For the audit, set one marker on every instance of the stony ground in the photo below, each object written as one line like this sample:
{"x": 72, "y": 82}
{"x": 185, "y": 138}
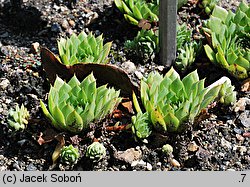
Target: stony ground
{"x": 220, "y": 142}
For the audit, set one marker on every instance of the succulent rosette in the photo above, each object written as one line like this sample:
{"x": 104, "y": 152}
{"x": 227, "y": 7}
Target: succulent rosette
{"x": 96, "y": 151}
{"x": 229, "y": 36}
{"x": 18, "y": 117}
{"x": 83, "y": 48}
{"x": 136, "y": 10}
{"x": 73, "y": 105}
{"x": 171, "y": 102}
{"x": 69, "y": 154}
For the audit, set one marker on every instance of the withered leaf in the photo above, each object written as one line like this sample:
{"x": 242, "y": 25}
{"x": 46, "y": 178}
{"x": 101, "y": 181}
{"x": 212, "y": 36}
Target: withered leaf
{"x": 104, "y": 73}
{"x": 59, "y": 146}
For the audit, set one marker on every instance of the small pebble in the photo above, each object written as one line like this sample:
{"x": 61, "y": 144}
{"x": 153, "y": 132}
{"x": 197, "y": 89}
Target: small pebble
{"x": 246, "y": 134}
{"x": 134, "y": 163}
{"x": 240, "y": 138}
{"x": 35, "y": 47}
{"x": 72, "y": 23}
{"x": 56, "y": 28}
{"x": 129, "y": 66}
{"x": 65, "y": 24}
{"x": 149, "y": 167}
{"x": 192, "y": 147}
{"x": 138, "y": 74}
{"x": 4, "y": 83}
{"x": 175, "y": 163}
{"x": 141, "y": 163}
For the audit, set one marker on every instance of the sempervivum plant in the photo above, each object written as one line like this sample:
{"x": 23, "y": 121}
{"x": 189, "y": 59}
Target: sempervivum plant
{"x": 208, "y": 5}
{"x": 230, "y": 46}
{"x": 171, "y": 103}
{"x": 141, "y": 125}
{"x": 145, "y": 45}
{"x": 136, "y": 10}
{"x": 73, "y": 105}
{"x": 83, "y": 48}
{"x": 96, "y": 151}
{"x": 186, "y": 47}
{"x": 69, "y": 154}
{"x": 18, "y": 118}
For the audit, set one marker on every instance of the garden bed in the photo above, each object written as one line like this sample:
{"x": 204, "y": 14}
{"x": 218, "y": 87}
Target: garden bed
{"x": 220, "y": 141}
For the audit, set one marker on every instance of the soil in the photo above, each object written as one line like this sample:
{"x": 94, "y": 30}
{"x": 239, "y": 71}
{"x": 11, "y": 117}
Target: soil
{"x": 221, "y": 141}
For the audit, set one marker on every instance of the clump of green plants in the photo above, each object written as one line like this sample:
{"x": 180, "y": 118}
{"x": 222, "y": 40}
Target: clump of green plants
{"x": 167, "y": 149}
{"x": 141, "y": 127}
{"x": 69, "y": 154}
{"x": 18, "y": 117}
{"x": 73, "y": 105}
{"x": 230, "y": 47}
{"x": 171, "y": 102}
{"x": 136, "y": 10}
{"x": 208, "y": 5}
{"x": 83, "y": 48}
{"x": 145, "y": 45}
{"x": 96, "y": 151}
{"x": 187, "y": 49}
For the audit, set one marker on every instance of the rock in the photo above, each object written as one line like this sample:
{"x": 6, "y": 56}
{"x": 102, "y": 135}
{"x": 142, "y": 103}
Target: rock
{"x": 149, "y": 166}
{"x": 31, "y": 167}
{"x": 237, "y": 130}
{"x": 35, "y": 47}
{"x": 239, "y": 137}
{"x": 129, "y": 66}
{"x": 134, "y": 163}
{"x": 244, "y": 118}
{"x": 129, "y": 155}
{"x": 225, "y": 143}
{"x": 158, "y": 164}
{"x": 175, "y": 163}
{"x": 72, "y": 23}
{"x": 246, "y": 134}
{"x": 202, "y": 153}
{"x": 4, "y": 83}
{"x": 55, "y": 27}
{"x": 4, "y": 35}
{"x": 138, "y": 74}
{"x": 142, "y": 163}
{"x": 65, "y": 24}
{"x": 240, "y": 105}
{"x": 192, "y": 147}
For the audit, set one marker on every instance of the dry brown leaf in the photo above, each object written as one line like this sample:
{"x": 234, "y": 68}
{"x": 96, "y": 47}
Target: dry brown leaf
{"x": 104, "y": 73}
{"x": 59, "y": 146}
{"x": 47, "y": 136}
{"x": 128, "y": 105}
{"x": 245, "y": 87}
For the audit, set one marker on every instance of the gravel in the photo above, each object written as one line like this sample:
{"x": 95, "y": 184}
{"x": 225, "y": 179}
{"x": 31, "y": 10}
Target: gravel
{"x": 220, "y": 142}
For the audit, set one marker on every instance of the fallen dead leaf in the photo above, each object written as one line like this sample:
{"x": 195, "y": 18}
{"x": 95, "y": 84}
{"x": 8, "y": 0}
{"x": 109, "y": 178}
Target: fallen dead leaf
{"x": 245, "y": 87}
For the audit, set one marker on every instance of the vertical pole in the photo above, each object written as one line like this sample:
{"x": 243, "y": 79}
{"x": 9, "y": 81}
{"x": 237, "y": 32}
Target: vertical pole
{"x": 167, "y": 32}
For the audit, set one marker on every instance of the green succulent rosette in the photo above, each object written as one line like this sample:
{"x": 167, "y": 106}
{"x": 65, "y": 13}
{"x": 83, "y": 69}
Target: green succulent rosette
{"x": 69, "y": 154}
{"x": 18, "y": 117}
{"x": 83, "y": 48}
{"x": 230, "y": 40}
{"x": 145, "y": 45}
{"x": 172, "y": 102}
{"x": 208, "y": 5}
{"x": 96, "y": 151}
{"x": 136, "y": 10}
{"x": 73, "y": 105}
{"x": 187, "y": 48}
{"x": 141, "y": 126}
